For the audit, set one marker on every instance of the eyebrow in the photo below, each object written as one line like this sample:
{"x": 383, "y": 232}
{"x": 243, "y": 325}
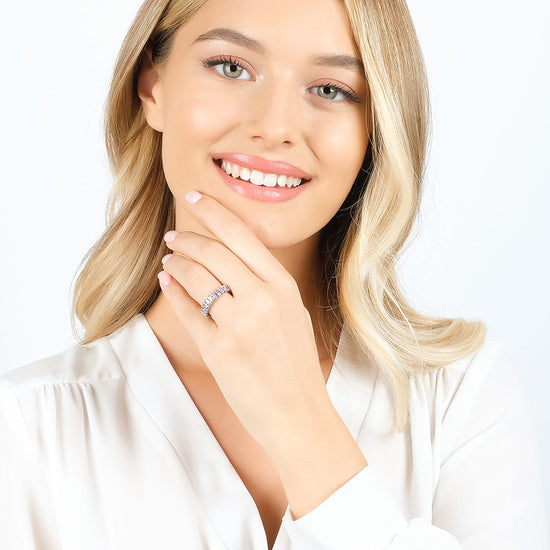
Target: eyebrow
{"x": 230, "y": 35}
{"x": 345, "y": 61}
{"x": 235, "y": 37}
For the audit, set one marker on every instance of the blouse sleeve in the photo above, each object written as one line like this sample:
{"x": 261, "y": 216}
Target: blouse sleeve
{"x": 27, "y": 521}
{"x": 489, "y": 491}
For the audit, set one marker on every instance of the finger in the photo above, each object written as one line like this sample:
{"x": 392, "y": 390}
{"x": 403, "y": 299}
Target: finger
{"x": 224, "y": 265}
{"x": 198, "y": 283}
{"x": 235, "y": 234}
{"x": 201, "y": 330}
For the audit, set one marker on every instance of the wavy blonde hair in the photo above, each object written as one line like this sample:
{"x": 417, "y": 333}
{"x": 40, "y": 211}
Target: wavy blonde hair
{"x": 359, "y": 247}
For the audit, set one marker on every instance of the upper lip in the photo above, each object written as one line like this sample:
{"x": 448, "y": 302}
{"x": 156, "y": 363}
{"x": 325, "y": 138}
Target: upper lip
{"x": 254, "y": 162}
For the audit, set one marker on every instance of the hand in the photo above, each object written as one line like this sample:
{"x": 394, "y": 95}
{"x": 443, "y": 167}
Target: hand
{"x": 260, "y": 348}
{"x": 259, "y": 344}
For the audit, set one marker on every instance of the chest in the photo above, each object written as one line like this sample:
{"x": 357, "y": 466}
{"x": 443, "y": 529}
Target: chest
{"x": 247, "y": 457}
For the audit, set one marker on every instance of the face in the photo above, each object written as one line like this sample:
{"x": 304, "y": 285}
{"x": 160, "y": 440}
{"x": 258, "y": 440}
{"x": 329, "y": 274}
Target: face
{"x": 272, "y": 92}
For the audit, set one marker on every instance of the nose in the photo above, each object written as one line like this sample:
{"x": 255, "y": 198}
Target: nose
{"x": 272, "y": 114}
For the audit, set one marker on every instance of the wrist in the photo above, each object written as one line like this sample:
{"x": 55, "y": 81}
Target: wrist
{"x": 315, "y": 458}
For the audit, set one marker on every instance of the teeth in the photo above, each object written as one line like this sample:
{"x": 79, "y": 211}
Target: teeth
{"x": 293, "y": 182}
{"x": 281, "y": 181}
{"x": 245, "y": 174}
{"x": 259, "y": 178}
{"x": 270, "y": 180}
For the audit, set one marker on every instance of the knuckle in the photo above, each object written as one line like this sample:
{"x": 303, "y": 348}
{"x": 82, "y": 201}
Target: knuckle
{"x": 194, "y": 273}
{"x": 265, "y": 302}
{"x": 289, "y": 285}
{"x": 236, "y": 229}
{"x": 226, "y": 343}
{"x": 211, "y": 249}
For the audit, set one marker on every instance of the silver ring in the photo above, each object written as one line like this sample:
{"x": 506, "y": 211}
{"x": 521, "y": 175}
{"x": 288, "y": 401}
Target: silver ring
{"x": 212, "y": 297}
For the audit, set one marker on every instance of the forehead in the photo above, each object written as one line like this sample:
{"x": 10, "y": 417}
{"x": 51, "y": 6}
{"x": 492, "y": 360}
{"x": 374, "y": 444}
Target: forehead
{"x": 298, "y": 26}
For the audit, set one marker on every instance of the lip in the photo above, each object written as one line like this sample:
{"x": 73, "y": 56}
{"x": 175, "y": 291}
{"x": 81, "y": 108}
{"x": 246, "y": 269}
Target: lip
{"x": 259, "y": 193}
{"x": 253, "y": 162}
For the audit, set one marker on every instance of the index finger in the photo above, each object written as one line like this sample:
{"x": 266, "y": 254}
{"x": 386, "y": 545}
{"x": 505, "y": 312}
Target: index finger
{"x": 236, "y": 235}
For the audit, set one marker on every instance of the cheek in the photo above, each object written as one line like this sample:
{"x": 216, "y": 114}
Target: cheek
{"x": 343, "y": 147}
{"x": 340, "y": 144}
{"x": 193, "y": 121}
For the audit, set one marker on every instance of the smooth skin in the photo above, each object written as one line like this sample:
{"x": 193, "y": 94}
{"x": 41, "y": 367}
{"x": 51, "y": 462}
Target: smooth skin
{"x": 259, "y": 350}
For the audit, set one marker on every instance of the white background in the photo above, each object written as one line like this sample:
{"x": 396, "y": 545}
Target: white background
{"x": 481, "y": 251}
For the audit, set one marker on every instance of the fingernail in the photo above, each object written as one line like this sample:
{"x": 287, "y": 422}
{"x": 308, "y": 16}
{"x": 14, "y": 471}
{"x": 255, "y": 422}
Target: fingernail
{"x": 192, "y": 197}
{"x": 170, "y": 236}
{"x": 166, "y": 258}
{"x": 164, "y": 278}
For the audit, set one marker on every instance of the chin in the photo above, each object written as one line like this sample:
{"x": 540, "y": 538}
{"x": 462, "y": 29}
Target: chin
{"x": 274, "y": 237}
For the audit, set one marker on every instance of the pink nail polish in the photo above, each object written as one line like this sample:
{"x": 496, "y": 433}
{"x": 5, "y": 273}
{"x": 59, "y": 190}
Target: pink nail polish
{"x": 166, "y": 258}
{"x": 170, "y": 236}
{"x": 164, "y": 278}
{"x": 192, "y": 197}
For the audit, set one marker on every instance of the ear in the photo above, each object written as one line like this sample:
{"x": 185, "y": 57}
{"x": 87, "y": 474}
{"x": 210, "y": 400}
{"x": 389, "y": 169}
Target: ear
{"x": 149, "y": 88}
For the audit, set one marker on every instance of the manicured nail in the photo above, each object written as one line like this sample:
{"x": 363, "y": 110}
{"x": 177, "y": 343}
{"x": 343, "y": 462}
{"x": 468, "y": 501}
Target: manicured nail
{"x": 164, "y": 278}
{"x": 192, "y": 197}
{"x": 170, "y": 236}
{"x": 166, "y": 258}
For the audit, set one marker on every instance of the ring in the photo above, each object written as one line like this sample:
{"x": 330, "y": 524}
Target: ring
{"x": 207, "y": 304}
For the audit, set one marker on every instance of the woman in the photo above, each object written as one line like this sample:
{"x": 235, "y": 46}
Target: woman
{"x": 272, "y": 387}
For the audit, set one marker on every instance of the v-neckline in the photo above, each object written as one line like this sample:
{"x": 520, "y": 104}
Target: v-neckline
{"x": 218, "y": 486}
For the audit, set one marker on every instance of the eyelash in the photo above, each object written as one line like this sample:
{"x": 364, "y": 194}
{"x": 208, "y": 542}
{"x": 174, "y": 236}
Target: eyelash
{"x": 209, "y": 63}
{"x": 348, "y": 94}
{"x": 213, "y": 62}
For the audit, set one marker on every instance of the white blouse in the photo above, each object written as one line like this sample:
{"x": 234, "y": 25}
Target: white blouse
{"x": 101, "y": 447}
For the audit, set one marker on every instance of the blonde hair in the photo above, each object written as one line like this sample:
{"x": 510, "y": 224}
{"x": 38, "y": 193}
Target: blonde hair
{"x": 359, "y": 247}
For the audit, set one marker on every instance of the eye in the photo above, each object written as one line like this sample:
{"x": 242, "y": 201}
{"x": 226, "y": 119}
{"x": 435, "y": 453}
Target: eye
{"x": 328, "y": 92}
{"x": 335, "y": 93}
{"x": 231, "y": 70}
{"x": 228, "y": 67}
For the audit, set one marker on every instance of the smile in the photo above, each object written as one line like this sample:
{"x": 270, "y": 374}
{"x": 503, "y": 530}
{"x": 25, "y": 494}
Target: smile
{"x": 258, "y": 178}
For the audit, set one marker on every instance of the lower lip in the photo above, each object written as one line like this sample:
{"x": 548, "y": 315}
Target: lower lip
{"x": 260, "y": 193}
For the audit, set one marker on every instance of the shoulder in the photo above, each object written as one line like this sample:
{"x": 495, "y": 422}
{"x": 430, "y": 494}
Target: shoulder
{"x": 480, "y": 392}
{"x": 488, "y": 368}
{"x": 64, "y": 389}
{"x": 52, "y": 402}
{"x": 81, "y": 364}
